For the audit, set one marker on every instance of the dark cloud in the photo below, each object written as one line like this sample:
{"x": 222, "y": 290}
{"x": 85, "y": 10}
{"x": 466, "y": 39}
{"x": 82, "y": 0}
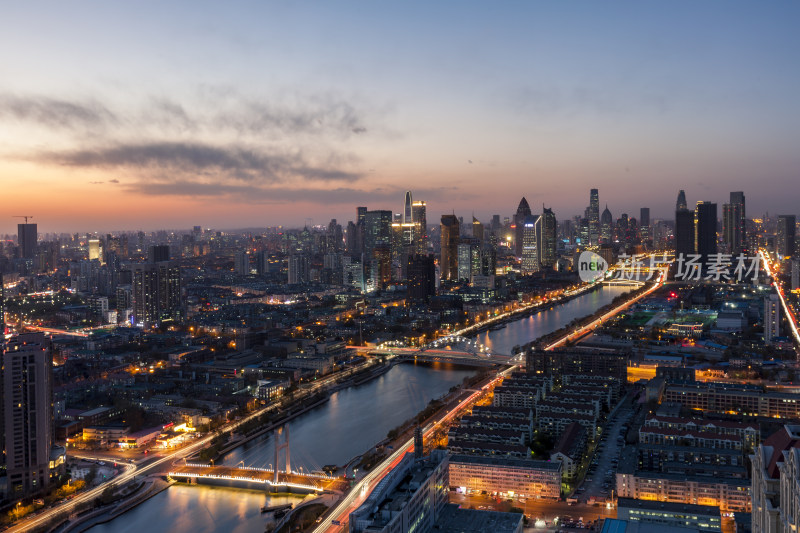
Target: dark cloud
{"x": 113, "y": 181}
{"x": 228, "y": 112}
{"x": 202, "y": 161}
{"x": 52, "y": 112}
{"x": 97, "y": 182}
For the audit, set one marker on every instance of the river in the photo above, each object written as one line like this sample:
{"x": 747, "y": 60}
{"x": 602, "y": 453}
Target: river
{"x": 349, "y": 424}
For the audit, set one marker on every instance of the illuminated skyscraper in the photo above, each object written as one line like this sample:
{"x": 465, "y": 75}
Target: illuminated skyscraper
{"x": 772, "y": 318}
{"x": 594, "y": 217}
{"x": 546, "y": 242}
{"x": 733, "y": 223}
{"x": 377, "y": 231}
{"x": 408, "y": 211}
{"x": 94, "y": 248}
{"x": 523, "y": 212}
{"x": 419, "y": 215}
{"x": 155, "y": 291}
{"x": 477, "y": 229}
{"x": 644, "y": 224}
{"x": 448, "y": 262}
{"x": 530, "y": 248}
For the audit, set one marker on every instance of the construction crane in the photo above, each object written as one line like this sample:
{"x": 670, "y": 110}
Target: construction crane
{"x": 26, "y": 217}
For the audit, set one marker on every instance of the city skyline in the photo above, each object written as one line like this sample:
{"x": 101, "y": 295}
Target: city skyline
{"x": 148, "y": 117}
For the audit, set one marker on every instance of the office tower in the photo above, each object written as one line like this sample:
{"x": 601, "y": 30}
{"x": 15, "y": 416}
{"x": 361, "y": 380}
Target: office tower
{"x": 705, "y": 230}
{"x": 381, "y": 266}
{"x": 546, "y": 239}
{"x": 621, "y": 229}
{"x": 351, "y": 239}
{"x": 241, "y": 263}
{"x": 27, "y": 236}
{"x": 795, "y": 275}
{"x": 377, "y": 230}
{"x": 523, "y": 212}
{"x": 594, "y": 217}
{"x": 420, "y": 218}
{"x": 2, "y": 311}
{"x": 421, "y": 277}
{"x": 738, "y": 222}
{"x": 684, "y": 233}
{"x": 353, "y": 272}
{"x": 408, "y": 208}
{"x": 606, "y": 227}
{"x": 27, "y": 416}
{"x": 644, "y": 223}
{"x": 772, "y": 318}
{"x": 158, "y": 253}
{"x": 469, "y": 258}
{"x": 784, "y": 242}
{"x": 681, "y": 202}
{"x": 155, "y": 291}
{"x": 94, "y": 249}
{"x": 477, "y": 229}
{"x": 448, "y": 262}
{"x": 530, "y": 250}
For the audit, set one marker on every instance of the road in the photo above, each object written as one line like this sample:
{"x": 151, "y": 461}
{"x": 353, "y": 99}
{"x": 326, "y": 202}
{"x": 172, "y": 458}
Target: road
{"x": 360, "y": 491}
{"x": 609, "y": 449}
{"x": 592, "y": 325}
{"x": 779, "y": 289}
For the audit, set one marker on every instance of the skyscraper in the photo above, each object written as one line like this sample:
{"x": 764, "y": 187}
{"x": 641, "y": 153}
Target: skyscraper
{"x": 523, "y": 212}
{"x": 408, "y": 211}
{"x": 377, "y": 230}
{"x": 27, "y": 237}
{"x": 740, "y": 234}
{"x": 594, "y": 217}
{"x": 705, "y": 230}
{"x": 530, "y": 250}
{"x": 606, "y": 226}
{"x": 644, "y": 223}
{"x": 546, "y": 242}
{"x": 27, "y": 416}
{"x": 684, "y": 232}
{"x": 155, "y": 291}
{"x": 448, "y": 262}
{"x": 421, "y": 277}
{"x": 681, "y": 202}
{"x": 418, "y": 213}
{"x": 477, "y": 229}
{"x": 784, "y": 243}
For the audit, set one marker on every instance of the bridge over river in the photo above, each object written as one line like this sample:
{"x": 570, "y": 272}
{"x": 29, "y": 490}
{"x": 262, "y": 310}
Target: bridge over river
{"x": 254, "y": 477}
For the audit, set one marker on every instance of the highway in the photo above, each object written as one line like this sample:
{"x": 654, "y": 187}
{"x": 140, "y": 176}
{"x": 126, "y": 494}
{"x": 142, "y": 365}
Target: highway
{"x": 789, "y": 315}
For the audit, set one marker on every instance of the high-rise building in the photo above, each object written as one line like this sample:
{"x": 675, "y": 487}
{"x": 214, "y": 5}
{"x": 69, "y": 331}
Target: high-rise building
{"x": 784, "y": 242}
{"x": 450, "y": 236}
{"x": 606, "y": 227}
{"x": 27, "y": 237}
{"x": 155, "y": 291}
{"x": 158, "y": 253}
{"x": 94, "y": 248}
{"x": 795, "y": 276}
{"x": 421, "y": 277}
{"x": 530, "y": 249}
{"x": 738, "y": 222}
{"x": 684, "y": 232}
{"x": 477, "y": 229}
{"x": 419, "y": 215}
{"x": 299, "y": 269}
{"x": 469, "y": 258}
{"x": 546, "y": 241}
{"x": 705, "y": 230}
{"x": 377, "y": 230}
{"x": 594, "y": 217}
{"x": 644, "y": 224}
{"x": 27, "y": 416}
{"x": 681, "y": 202}
{"x": 772, "y": 318}
{"x": 241, "y": 263}
{"x": 523, "y": 212}
{"x": 408, "y": 209}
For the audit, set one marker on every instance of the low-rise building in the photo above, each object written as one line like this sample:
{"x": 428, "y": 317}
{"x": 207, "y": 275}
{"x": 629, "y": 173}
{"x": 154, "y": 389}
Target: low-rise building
{"x": 697, "y": 517}
{"x": 505, "y": 476}
{"x": 776, "y": 482}
{"x": 569, "y": 450}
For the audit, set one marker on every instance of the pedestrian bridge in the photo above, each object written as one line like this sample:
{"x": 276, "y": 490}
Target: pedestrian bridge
{"x": 255, "y": 477}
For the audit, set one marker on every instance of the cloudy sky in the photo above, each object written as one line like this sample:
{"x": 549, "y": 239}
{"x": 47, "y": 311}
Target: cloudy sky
{"x": 143, "y": 115}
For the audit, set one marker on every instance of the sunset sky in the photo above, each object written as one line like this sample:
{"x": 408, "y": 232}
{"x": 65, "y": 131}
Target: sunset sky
{"x": 146, "y": 115}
